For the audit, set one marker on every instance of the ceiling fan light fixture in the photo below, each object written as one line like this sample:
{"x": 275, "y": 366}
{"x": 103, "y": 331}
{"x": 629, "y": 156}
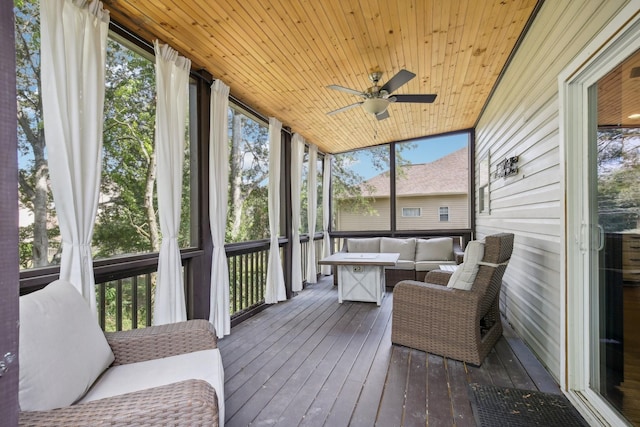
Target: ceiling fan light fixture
{"x": 375, "y": 105}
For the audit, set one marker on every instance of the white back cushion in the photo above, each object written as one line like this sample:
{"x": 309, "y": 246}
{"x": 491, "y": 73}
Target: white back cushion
{"x": 436, "y": 249}
{"x": 62, "y": 348}
{"x": 466, "y": 272}
{"x": 364, "y": 245}
{"x": 405, "y": 247}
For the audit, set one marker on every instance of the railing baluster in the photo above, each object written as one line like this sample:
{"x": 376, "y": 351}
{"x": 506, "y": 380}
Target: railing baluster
{"x": 235, "y": 284}
{"x": 255, "y": 279}
{"x": 103, "y": 304}
{"x": 244, "y": 300}
{"x": 119, "y": 305}
{"x": 148, "y": 290}
{"x": 134, "y": 302}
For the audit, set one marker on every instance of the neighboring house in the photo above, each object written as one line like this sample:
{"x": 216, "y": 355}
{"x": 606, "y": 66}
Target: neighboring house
{"x": 429, "y": 196}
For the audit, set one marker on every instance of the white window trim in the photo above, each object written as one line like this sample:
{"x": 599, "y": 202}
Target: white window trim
{"x": 412, "y": 216}
{"x": 484, "y": 178}
{"x": 440, "y": 214}
{"x": 610, "y": 47}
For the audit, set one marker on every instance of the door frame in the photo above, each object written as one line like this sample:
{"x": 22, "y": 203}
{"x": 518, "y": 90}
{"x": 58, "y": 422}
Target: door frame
{"x": 611, "y": 46}
{"x": 9, "y": 262}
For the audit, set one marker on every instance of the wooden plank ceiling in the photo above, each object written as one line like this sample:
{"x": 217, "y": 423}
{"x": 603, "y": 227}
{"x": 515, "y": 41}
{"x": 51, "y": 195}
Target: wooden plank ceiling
{"x": 619, "y": 95}
{"x": 278, "y": 56}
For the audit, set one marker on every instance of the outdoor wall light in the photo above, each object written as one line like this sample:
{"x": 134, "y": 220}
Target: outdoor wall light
{"x": 507, "y": 167}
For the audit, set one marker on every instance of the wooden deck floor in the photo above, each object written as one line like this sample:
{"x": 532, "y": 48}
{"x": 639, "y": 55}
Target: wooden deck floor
{"x": 311, "y": 361}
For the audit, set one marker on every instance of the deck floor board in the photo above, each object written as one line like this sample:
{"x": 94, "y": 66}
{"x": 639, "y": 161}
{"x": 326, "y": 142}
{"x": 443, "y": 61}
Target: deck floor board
{"x": 311, "y": 361}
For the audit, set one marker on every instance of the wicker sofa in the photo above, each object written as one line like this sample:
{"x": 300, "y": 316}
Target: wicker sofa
{"x": 71, "y": 373}
{"x": 455, "y": 315}
{"x": 417, "y": 255}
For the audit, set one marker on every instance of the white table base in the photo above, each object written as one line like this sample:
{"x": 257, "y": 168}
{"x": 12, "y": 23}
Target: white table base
{"x": 361, "y": 283}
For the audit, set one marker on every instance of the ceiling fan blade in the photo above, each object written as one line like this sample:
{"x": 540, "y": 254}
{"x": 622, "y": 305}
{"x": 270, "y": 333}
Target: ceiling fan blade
{"x": 383, "y": 115}
{"x": 340, "y": 110}
{"x": 424, "y": 98}
{"x": 345, "y": 89}
{"x": 402, "y": 77}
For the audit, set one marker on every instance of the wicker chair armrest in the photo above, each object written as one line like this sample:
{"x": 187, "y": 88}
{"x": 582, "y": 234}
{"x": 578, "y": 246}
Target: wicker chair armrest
{"x": 438, "y": 277}
{"x": 185, "y": 403}
{"x": 138, "y": 345}
{"x": 436, "y": 300}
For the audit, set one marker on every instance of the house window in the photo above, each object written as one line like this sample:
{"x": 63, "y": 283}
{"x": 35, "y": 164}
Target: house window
{"x": 483, "y": 186}
{"x": 443, "y": 212}
{"x": 411, "y": 212}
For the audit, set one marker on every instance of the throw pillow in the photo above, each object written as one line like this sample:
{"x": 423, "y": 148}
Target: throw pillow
{"x": 62, "y": 348}
{"x": 465, "y": 274}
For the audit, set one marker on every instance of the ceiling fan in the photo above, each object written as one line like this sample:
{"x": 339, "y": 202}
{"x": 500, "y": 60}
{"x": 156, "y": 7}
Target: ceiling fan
{"x": 377, "y": 98}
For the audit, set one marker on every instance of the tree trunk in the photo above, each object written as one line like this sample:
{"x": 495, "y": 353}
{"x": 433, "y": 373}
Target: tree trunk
{"x": 40, "y": 203}
{"x": 154, "y": 237}
{"x": 235, "y": 180}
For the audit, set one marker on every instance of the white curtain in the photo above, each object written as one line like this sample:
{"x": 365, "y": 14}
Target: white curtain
{"x": 312, "y": 208}
{"x": 275, "y": 277}
{"x": 297, "y": 158}
{"x": 326, "y": 215}
{"x": 172, "y": 79}
{"x": 73, "y": 51}
{"x": 218, "y": 199}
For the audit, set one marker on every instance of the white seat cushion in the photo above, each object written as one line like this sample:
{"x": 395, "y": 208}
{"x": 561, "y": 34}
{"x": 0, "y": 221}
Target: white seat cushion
{"x": 62, "y": 348}
{"x": 465, "y": 274}
{"x": 431, "y": 265}
{"x": 435, "y": 249}
{"x": 200, "y": 365}
{"x": 403, "y": 264}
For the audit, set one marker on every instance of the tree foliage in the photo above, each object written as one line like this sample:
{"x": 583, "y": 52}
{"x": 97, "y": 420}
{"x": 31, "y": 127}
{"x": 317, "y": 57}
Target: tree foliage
{"x": 248, "y": 217}
{"x": 127, "y": 212}
{"x": 126, "y": 217}
{"x": 349, "y": 188}
{"x": 33, "y": 173}
{"x": 618, "y": 179}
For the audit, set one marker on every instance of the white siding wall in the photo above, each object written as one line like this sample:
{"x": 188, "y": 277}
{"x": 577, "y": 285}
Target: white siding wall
{"x": 430, "y": 219}
{"x": 522, "y": 118}
{"x": 357, "y": 221}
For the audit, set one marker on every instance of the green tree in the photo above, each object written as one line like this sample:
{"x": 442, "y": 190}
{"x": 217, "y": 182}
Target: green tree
{"x": 33, "y": 174}
{"x": 247, "y": 218}
{"x": 127, "y": 215}
{"x": 350, "y": 188}
{"x": 618, "y": 178}
{"x": 127, "y": 220}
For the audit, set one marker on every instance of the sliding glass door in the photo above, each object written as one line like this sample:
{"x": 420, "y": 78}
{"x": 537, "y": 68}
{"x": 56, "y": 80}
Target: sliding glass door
{"x": 614, "y": 230}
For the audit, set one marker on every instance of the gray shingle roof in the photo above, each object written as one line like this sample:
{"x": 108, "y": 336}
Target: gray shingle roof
{"x": 447, "y": 175}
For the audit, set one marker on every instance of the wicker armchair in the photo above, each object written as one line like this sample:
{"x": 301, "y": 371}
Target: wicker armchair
{"x": 186, "y": 403}
{"x": 459, "y": 324}
{"x": 161, "y": 375}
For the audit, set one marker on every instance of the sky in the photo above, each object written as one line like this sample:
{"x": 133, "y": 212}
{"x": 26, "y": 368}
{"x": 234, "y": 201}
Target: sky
{"x": 427, "y": 150}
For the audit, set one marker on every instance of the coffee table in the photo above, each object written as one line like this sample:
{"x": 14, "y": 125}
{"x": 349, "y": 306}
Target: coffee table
{"x": 361, "y": 275}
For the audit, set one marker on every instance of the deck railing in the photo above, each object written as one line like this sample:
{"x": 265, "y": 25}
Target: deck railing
{"x": 247, "y": 277}
{"x": 125, "y": 298}
{"x": 126, "y": 303}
